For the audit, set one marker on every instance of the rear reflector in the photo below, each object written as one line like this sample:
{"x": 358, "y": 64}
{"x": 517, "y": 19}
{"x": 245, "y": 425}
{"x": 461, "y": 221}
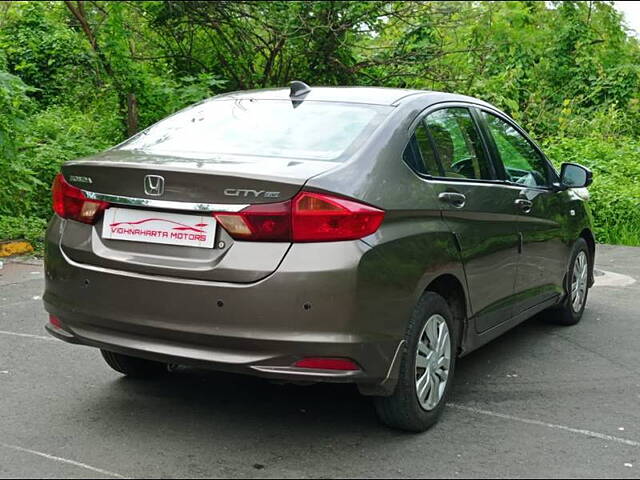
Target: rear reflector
{"x": 55, "y": 321}
{"x": 309, "y": 217}
{"x": 327, "y": 364}
{"x": 70, "y": 202}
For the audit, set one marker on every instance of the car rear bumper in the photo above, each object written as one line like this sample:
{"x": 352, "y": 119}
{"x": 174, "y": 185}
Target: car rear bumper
{"x": 306, "y": 308}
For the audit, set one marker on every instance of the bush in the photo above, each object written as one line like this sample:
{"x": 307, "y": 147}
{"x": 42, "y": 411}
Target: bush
{"x": 615, "y": 193}
{"x": 24, "y": 228}
{"x": 50, "y": 138}
{"x": 565, "y": 70}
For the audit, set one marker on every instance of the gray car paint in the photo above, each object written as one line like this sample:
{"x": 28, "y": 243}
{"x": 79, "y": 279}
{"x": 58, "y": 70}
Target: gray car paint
{"x": 256, "y": 307}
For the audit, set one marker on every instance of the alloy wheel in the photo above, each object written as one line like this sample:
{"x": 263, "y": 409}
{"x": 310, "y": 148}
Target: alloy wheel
{"x": 433, "y": 360}
{"x": 579, "y": 281}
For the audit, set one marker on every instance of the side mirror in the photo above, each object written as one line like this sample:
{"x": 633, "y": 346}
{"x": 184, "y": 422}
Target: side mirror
{"x": 573, "y": 175}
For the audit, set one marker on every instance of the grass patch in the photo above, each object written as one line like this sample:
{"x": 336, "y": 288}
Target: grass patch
{"x": 31, "y": 229}
{"x": 620, "y": 234}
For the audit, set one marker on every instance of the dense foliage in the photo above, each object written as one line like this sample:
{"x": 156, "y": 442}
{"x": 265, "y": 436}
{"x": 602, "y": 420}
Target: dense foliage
{"x": 79, "y": 76}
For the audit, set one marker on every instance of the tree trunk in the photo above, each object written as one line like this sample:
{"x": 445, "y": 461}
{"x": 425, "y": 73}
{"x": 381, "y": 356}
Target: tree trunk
{"x": 130, "y": 102}
{"x": 132, "y": 114}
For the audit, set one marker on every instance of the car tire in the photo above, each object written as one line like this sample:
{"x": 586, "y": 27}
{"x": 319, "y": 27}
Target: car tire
{"x": 132, "y": 366}
{"x": 403, "y": 409}
{"x": 570, "y": 311}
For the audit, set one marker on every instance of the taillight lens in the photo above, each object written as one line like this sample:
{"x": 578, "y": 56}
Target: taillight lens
{"x": 268, "y": 222}
{"x": 321, "y": 218}
{"x": 70, "y": 202}
{"x": 309, "y": 217}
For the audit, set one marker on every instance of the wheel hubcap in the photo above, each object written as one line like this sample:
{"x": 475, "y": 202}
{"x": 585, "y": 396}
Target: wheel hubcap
{"x": 433, "y": 359}
{"x": 579, "y": 282}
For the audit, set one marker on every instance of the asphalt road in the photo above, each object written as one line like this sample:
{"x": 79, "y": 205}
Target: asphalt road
{"x": 541, "y": 401}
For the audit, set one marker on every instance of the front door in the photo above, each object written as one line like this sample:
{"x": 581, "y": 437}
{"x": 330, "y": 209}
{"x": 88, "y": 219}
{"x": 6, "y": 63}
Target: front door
{"x": 480, "y": 211}
{"x": 541, "y": 211}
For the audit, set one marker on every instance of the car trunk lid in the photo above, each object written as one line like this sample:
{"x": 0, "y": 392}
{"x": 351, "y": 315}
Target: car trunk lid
{"x": 192, "y": 186}
{"x": 212, "y": 180}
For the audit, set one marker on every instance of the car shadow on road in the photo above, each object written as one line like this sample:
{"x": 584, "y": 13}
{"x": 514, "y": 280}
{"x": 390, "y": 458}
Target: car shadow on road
{"x": 202, "y": 400}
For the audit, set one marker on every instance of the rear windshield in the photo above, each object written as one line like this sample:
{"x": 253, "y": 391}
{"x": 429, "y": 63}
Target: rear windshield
{"x": 269, "y": 128}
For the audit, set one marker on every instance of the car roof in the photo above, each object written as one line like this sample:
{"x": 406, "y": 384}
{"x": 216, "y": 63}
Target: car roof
{"x": 364, "y": 95}
{"x": 369, "y": 95}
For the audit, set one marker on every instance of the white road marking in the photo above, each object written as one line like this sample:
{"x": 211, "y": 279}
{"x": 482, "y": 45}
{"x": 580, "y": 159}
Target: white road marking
{"x": 27, "y": 335}
{"x": 612, "y": 279}
{"x": 587, "y": 433}
{"x": 61, "y": 460}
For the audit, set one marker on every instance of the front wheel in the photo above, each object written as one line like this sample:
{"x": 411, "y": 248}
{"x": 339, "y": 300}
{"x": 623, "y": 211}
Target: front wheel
{"x": 570, "y": 311}
{"x": 426, "y": 368}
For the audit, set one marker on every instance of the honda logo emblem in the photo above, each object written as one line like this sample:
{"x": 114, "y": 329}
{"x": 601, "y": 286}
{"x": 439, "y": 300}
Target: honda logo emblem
{"x": 154, "y": 185}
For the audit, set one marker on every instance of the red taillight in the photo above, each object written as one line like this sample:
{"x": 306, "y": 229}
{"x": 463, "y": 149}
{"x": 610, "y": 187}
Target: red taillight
{"x": 321, "y": 218}
{"x": 70, "y": 202}
{"x": 267, "y": 222}
{"x": 309, "y": 217}
{"x": 327, "y": 364}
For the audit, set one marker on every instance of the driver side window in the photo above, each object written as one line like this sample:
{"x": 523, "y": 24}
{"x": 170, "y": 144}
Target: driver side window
{"x": 457, "y": 143}
{"x": 522, "y": 162}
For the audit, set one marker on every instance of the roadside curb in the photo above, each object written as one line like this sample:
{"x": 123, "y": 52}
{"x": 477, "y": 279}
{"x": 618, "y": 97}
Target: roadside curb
{"x": 14, "y": 247}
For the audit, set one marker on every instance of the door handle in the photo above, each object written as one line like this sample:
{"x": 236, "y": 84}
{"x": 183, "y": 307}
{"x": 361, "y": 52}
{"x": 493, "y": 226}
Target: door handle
{"x": 524, "y": 205}
{"x": 453, "y": 198}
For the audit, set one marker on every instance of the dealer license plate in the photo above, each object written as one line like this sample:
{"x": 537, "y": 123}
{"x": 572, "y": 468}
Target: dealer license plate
{"x": 159, "y": 227}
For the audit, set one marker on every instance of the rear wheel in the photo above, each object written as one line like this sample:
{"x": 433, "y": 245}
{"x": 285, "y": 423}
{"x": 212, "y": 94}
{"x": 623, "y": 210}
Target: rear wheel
{"x": 133, "y": 366}
{"x": 570, "y": 311}
{"x": 426, "y": 368}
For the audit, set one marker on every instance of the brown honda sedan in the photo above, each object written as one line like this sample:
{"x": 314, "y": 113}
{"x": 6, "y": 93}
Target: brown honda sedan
{"x": 363, "y": 235}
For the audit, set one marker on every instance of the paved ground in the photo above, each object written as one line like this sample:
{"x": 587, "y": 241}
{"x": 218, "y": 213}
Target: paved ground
{"x": 541, "y": 401}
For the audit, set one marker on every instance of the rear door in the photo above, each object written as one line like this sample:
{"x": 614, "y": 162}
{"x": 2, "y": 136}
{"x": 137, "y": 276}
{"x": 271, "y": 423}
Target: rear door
{"x": 541, "y": 210}
{"x": 479, "y": 210}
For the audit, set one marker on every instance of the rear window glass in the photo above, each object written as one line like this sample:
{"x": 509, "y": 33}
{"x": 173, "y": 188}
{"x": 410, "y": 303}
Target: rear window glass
{"x": 458, "y": 144}
{"x": 269, "y": 128}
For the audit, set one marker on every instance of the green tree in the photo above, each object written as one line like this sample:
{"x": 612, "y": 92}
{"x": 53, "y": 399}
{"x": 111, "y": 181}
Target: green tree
{"x": 79, "y": 76}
